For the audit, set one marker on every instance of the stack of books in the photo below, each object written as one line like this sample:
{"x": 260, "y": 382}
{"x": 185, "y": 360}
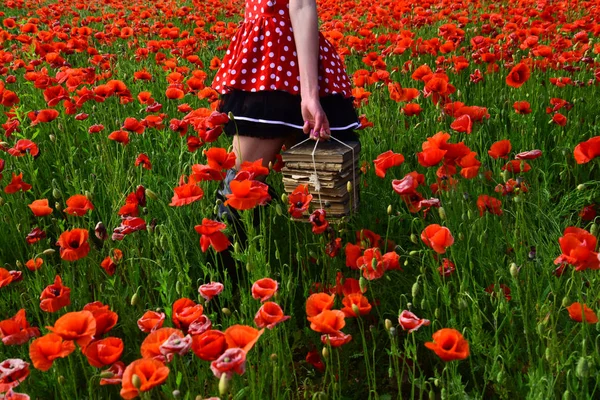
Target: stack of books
{"x": 335, "y": 166}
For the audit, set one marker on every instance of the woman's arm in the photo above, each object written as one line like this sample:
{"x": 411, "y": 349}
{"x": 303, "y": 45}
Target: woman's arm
{"x": 303, "y": 15}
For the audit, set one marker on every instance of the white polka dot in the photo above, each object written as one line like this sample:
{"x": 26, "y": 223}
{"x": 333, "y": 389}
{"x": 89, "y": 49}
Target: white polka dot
{"x": 253, "y": 80}
{"x": 286, "y": 48}
{"x": 253, "y": 70}
{"x": 262, "y": 87}
{"x": 272, "y": 76}
{"x": 292, "y": 63}
{"x": 269, "y": 44}
{"x": 271, "y": 54}
{"x": 272, "y": 65}
{"x": 262, "y": 77}
{"x": 232, "y": 82}
{"x": 273, "y": 87}
{"x": 295, "y": 88}
{"x": 243, "y": 81}
{"x": 244, "y": 71}
{"x": 282, "y": 58}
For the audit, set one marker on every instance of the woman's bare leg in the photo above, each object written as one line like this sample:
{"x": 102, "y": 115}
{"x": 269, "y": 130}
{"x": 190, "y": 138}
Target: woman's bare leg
{"x": 248, "y": 148}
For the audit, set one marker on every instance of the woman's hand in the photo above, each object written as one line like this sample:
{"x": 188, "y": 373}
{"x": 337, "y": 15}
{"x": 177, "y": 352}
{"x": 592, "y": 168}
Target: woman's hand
{"x": 315, "y": 120}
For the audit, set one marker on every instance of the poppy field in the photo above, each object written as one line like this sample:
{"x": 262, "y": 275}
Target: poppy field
{"x": 469, "y": 271}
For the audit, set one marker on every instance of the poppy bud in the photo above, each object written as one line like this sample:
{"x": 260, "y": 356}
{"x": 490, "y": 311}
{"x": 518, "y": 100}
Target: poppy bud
{"x": 319, "y": 396}
{"x": 230, "y": 116}
{"x": 325, "y": 352}
{"x": 437, "y": 313}
{"x": 270, "y": 165}
{"x": 218, "y": 202}
{"x": 514, "y": 270}
{"x": 273, "y": 357}
{"x": 284, "y": 198}
{"x": 277, "y": 254}
{"x": 57, "y": 206}
{"x": 48, "y": 252}
{"x": 356, "y": 310}
{"x": 56, "y": 193}
{"x": 18, "y": 264}
{"x": 226, "y": 311}
{"x": 393, "y": 331}
{"x": 461, "y": 236}
{"x": 469, "y": 214}
{"x": 278, "y": 209}
{"x": 176, "y": 393}
{"x": 415, "y": 289}
{"x": 594, "y": 229}
{"x": 500, "y": 376}
{"x": 349, "y": 186}
{"x": 462, "y": 303}
{"x": 374, "y": 263}
{"x": 362, "y": 283}
{"x": 388, "y": 324}
{"x": 135, "y": 299}
{"x": 413, "y": 252}
{"x": 414, "y": 238}
{"x": 566, "y": 395}
{"x": 565, "y": 302}
{"x": 178, "y": 287}
{"x": 548, "y": 354}
{"x": 431, "y": 394}
{"x": 583, "y": 368}
{"x": 106, "y": 375}
{"x": 442, "y": 213}
{"x": 1, "y": 201}
{"x": 506, "y": 175}
{"x": 248, "y": 267}
{"x": 517, "y": 199}
{"x": 88, "y": 195}
{"x": 580, "y": 187}
{"x": 223, "y": 382}
{"x": 406, "y": 263}
{"x": 409, "y": 306}
{"x": 151, "y": 194}
{"x": 61, "y": 380}
{"x": 390, "y": 372}
{"x": 389, "y": 210}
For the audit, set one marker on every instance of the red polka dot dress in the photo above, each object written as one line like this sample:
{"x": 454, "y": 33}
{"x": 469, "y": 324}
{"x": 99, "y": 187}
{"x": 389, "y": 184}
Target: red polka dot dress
{"x": 259, "y": 78}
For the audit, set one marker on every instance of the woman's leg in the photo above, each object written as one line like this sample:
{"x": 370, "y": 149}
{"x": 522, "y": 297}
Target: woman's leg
{"x": 247, "y": 148}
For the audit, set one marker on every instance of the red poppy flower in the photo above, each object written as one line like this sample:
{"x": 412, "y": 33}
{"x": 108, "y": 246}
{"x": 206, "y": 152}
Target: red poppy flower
{"x": 120, "y": 137}
{"x": 314, "y": 358}
{"x": 40, "y": 208}
{"x": 529, "y": 155}
{"x": 219, "y": 159}
{"x": 437, "y": 237}
{"x": 410, "y": 322}
{"x": 518, "y": 75}
{"x": 299, "y": 201}
{"x": 186, "y": 194}
{"x": 411, "y": 109}
{"x": 17, "y": 184}
{"x": 588, "y": 213}
{"x": 578, "y": 249}
{"x": 559, "y": 119}
{"x": 209, "y": 345}
{"x": 79, "y": 326}
{"x": 73, "y": 244}
{"x": 447, "y": 268}
{"x": 13, "y": 371}
{"x": 151, "y": 321}
{"x": 449, "y": 344}
{"x": 505, "y": 291}
{"x": 150, "y": 347}
{"x": 43, "y": 351}
{"x": 210, "y": 290}
{"x": 212, "y": 235}
{"x": 175, "y": 345}
{"x": 490, "y": 204}
{"x": 96, "y": 128}
{"x": 232, "y": 360}
{"x": 185, "y": 311}
{"x": 318, "y": 221}
{"x": 264, "y": 289}
{"x": 522, "y": 107}
{"x": 46, "y": 115}
{"x": 78, "y": 205}
{"x": 115, "y": 372}
{"x": 242, "y": 336}
{"x": 151, "y": 373}
{"x": 355, "y": 300}
{"x": 500, "y": 149}
{"x": 104, "y": 352}
{"x": 586, "y": 151}
{"x": 22, "y": 147}
{"x": 254, "y": 168}
{"x": 16, "y": 330}
{"x": 516, "y": 166}
{"x": 34, "y": 264}
{"x": 269, "y": 315}
{"x": 144, "y": 161}
{"x": 464, "y": 124}
{"x": 105, "y": 318}
{"x": 247, "y": 194}
{"x": 387, "y": 160}
{"x": 337, "y": 339}
{"x": 327, "y": 321}
{"x": 318, "y": 302}
{"x": 55, "y": 296}
{"x": 7, "y": 277}
{"x": 579, "y": 311}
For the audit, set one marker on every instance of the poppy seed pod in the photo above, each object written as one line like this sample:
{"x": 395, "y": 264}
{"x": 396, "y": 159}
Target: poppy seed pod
{"x": 389, "y": 210}
{"x": 135, "y": 299}
{"x": 48, "y": 252}
{"x": 388, "y": 324}
{"x": 284, "y": 198}
{"x": 349, "y": 186}
{"x": 136, "y": 381}
{"x": 362, "y": 283}
{"x": 414, "y": 238}
{"x": 56, "y": 193}
{"x": 594, "y": 229}
{"x": 176, "y": 393}
{"x": 581, "y": 187}
{"x": 325, "y": 352}
{"x": 442, "y": 213}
